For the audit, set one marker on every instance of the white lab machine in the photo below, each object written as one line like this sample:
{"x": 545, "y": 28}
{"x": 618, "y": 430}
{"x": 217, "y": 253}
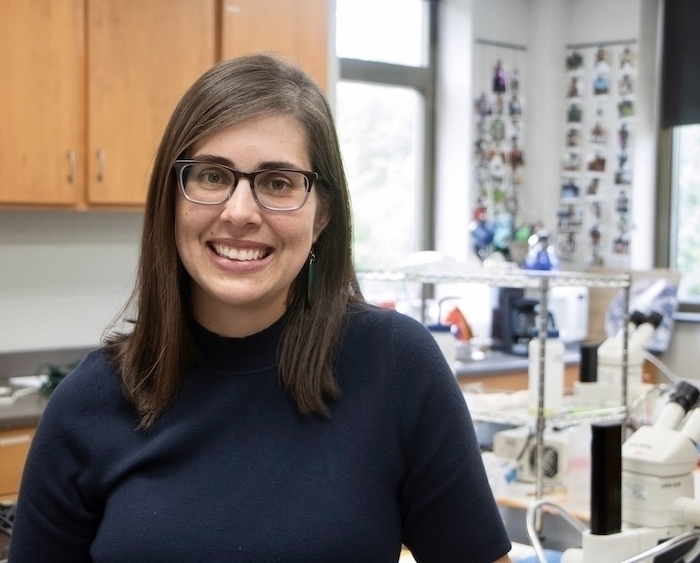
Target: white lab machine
{"x": 642, "y": 494}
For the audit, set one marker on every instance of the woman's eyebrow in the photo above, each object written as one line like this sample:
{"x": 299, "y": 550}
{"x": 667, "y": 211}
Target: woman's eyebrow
{"x": 263, "y": 165}
{"x": 214, "y": 159}
{"x": 274, "y": 164}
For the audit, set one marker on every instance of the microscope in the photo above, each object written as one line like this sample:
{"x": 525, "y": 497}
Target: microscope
{"x": 642, "y": 491}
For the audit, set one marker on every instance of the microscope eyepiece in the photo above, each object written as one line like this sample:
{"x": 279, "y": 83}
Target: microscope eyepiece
{"x": 637, "y": 318}
{"x": 681, "y": 399}
{"x": 685, "y": 394}
{"x": 655, "y": 319}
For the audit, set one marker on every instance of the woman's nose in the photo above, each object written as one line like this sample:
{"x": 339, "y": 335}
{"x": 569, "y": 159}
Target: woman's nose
{"x": 241, "y": 206}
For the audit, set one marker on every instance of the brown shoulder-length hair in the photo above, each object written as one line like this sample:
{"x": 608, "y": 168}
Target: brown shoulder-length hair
{"x": 153, "y": 355}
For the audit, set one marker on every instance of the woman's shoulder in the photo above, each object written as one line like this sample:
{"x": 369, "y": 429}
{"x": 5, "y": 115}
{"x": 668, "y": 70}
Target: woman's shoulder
{"x": 92, "y": 380}
{"x": 372, "y": 318}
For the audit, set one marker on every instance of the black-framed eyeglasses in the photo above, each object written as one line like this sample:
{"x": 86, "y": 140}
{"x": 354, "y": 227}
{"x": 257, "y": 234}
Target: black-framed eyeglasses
{"x": 208, "y": 183}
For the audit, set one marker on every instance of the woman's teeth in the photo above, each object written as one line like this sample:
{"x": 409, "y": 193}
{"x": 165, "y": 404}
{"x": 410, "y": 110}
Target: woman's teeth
{"x": 242, "y": 255}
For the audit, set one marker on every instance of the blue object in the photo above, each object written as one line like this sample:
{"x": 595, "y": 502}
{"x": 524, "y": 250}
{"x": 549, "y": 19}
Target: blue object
{"x": 551, "y": 556}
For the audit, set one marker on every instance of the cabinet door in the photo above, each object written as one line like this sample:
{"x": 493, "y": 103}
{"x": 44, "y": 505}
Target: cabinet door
{"x": 14, "y": 446}
{"x": 42, "y": 100}
{"x": 142, "y": 56}
{"x": 297, "y": 29}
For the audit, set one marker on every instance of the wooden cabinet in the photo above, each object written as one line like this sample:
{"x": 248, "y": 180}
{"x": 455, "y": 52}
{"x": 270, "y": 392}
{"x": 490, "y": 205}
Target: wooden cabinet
{"x": 142, "y": 56}
{"x": 88, "y": 85}
{"x": 297, "y": 29}
{"x": 88, "y": 88}
{"x": 14, "y": 446}
{"x": 42, "y": 98}
{"x": 514, "y": 380}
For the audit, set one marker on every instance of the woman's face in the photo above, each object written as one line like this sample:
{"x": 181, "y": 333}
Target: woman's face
{"x": 241, "y": 257}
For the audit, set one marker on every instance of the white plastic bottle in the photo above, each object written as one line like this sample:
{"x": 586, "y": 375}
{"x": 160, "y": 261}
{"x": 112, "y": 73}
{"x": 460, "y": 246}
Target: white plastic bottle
{"x": 445, "y": 339}
{"x": 553, "y": 373}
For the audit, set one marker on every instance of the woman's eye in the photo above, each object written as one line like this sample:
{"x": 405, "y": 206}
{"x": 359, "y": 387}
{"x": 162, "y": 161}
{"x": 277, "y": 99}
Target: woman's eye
{"x": 211, "y": 177}
{"x": 277, "y": 184}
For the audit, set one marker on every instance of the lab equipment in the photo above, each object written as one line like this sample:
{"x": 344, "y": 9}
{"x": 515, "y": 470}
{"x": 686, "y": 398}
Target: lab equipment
{"x": 656, "y": 494}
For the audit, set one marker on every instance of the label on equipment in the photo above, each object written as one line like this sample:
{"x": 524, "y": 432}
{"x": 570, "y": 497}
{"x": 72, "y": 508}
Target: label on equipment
{"x": 635, "y": 491}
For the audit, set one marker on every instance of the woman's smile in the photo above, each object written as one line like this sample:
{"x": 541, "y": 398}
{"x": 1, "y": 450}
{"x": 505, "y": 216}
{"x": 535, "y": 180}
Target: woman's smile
{"x": 239, "y": 254}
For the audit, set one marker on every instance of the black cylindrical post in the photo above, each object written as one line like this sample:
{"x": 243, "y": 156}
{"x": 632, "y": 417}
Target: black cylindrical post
{"x": 588, "y": 364}
{"x": 606, "y": 478}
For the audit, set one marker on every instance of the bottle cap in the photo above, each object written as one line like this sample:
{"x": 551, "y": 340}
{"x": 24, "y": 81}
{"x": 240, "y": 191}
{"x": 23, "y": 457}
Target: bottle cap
{"x": 551, "y": 333}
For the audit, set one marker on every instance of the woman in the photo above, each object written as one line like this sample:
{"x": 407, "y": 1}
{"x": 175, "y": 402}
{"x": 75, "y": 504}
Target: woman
{"x": 256, "y": 410}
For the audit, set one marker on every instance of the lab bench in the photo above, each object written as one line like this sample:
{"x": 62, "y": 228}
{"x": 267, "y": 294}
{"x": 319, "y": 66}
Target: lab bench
{"x": 503, "y": 371}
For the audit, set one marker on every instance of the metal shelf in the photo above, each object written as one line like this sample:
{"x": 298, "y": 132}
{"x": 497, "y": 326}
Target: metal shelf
{"x": 542, "y": 281}
{"x": 506, "y": 278}
{"x": 558, "y": 420}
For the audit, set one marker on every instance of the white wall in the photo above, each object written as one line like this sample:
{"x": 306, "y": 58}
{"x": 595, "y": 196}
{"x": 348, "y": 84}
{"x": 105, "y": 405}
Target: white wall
{"x": 63, "y": 276}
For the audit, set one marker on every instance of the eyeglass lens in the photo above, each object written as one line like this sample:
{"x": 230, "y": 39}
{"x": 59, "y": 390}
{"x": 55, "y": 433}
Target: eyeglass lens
{"x": 273, "y": 189}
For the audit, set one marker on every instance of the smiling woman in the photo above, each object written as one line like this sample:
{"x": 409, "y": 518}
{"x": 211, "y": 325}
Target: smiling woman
{"x": 258, "y": 409}
{"x": 233, "y": 294}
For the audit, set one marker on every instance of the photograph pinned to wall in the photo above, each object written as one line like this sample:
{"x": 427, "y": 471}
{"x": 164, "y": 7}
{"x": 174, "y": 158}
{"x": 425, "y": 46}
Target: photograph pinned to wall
{"x": 572, "y": 161}
{"x": 596, "y": 161}
{"x": 628, "y": 59}
{"x": 574, "y": 113}
{"x": 601, "y": 69}
{"x": 573, "y": 137}
{"x": 625, "y": 86}
{"x": 568, "y": 239}
{"x": 570, "y": 191}
{"x": 499, "y": 137}
{"x": 595, "y": 189}
{"x": 574, "y": 62}
{"x": 575, "y": 87}
{"x": 625, "y": 108}
{"x": 599, "y": 132}
{"x": 621, "y": 216}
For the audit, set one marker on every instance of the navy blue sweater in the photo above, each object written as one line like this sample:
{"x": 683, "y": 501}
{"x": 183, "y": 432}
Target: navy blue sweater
{"x": 232, "y": 472}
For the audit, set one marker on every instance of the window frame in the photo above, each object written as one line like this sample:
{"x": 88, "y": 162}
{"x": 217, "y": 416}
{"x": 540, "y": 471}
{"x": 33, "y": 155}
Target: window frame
{"x": 666, "y": 196}
{"x": 423, "y": 79}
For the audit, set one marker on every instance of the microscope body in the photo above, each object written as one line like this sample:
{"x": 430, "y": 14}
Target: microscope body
{"x": 657, "y": 489}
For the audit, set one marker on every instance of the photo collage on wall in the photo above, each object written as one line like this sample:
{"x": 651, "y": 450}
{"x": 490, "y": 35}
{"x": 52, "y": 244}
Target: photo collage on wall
{"x": 594, "y": 216}
{"x": 499, "y": 135}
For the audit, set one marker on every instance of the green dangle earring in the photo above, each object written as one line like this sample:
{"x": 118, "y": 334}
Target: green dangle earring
{"x": 310, "y": 278}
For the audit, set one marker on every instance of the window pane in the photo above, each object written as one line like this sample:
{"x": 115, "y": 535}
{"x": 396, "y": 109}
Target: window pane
{"x": 388, "y": 31}
{"x": 687, "y": 213}
{"x": 378, "y": 128}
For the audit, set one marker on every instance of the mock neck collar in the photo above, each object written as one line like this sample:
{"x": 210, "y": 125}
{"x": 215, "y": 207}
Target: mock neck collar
{"x": 251, "y": 353}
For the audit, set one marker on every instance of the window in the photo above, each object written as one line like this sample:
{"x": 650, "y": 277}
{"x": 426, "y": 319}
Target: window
{"x": 684, "y": 212}
{"x": 385, "y": 86}
{"x": 678, "y": 193}
{"x": 362, "y": 31}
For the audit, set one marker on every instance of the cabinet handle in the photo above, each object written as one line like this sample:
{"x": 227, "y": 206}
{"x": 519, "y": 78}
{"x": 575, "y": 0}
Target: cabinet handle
{"x": 100, "y": 165}
{"x": 71, "y": 166}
